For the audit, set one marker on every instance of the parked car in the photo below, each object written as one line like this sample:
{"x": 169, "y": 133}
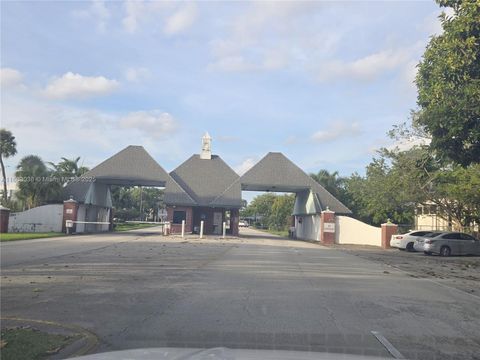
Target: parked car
{"x": 243, "y": 223}
{"x": 448, "y": 243}
{"x": 406, "y": 241}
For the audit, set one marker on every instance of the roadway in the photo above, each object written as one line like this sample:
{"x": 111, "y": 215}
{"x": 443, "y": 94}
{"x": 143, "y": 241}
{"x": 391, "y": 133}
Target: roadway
{"x": 140, "y": 289}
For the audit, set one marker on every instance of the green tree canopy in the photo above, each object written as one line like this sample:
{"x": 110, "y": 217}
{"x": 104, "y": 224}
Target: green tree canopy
{"x": 68, "y": 168}
{"x": 35, "y": 182}
{"x": 274, "y": 210}
{"x": 8, "y": 148}
{"x": 136, "y": 203}
{"x": 448, "y": 83}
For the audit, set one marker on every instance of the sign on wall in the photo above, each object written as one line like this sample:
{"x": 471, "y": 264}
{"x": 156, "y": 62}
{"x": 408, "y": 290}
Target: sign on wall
{"x": 329, "y": 227}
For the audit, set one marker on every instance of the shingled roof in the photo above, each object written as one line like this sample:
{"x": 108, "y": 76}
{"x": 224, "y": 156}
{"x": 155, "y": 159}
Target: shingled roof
{"x": 210, "y": 182}
{"x": 133, "y": 166}
{"x": 277, "y": 173}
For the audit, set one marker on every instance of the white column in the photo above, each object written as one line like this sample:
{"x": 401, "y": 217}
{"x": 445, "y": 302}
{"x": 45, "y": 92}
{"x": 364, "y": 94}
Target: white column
{"x": 224, "y": 229}
{"x": 183, "y": 228}
{"x": 201, "y": 229}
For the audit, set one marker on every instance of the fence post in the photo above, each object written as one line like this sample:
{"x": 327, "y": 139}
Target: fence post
{"x": 388, "y": 229}
{"x": 183, "y": 228}
{"x": 4, "y": 218}
{"x": 224, "y": 231}
{"x": 201, "y": 229}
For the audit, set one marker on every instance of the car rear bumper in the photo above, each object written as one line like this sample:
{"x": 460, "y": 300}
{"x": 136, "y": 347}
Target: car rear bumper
{"x": 419, "y": 247}
{"x": 397, "y": 244}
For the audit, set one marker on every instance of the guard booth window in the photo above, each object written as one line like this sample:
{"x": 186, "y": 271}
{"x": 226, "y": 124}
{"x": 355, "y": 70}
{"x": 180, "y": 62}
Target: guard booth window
{"x": 178, "y": 216}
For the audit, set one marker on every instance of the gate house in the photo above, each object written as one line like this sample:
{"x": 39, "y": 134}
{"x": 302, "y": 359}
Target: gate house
{"x": 203, "y": 188}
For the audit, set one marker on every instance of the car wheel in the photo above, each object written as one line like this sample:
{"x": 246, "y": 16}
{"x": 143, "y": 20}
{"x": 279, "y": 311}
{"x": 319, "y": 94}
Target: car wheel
{"x": 410, "y": 247}
{"x": 427, "y": 253}
{"x": 445, "y": 251}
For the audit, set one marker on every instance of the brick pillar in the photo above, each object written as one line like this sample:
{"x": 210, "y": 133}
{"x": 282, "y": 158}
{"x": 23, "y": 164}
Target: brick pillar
{"x": 388, "y": 229}
{"x": 234, "y": 220}
{"x": 4, "y": 217}
{"x": 327, "y": 227}
{"x": 70, "y": 210}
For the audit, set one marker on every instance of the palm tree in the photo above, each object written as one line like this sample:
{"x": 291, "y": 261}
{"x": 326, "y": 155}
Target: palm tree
{"x": 35, "y": 182}
{"x": 68, "y": 168}
{"x": 330, "y": 181}
{"x": 8, "y": 148}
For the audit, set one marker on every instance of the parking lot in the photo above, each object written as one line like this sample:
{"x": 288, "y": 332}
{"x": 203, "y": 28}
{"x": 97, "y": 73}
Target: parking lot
{"x": 460, "y": 272}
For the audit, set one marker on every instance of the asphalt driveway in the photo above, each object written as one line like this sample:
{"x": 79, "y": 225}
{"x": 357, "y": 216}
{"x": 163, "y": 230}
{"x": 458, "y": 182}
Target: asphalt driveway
{"x": 141, "y": 289}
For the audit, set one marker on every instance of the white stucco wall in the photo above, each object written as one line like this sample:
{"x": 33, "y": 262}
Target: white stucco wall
{"x": 352, "y": 231}
{"x": 304, "y": 204}
{"x": 309, "y": 228}
{"x": 95, "y": 214}
{"x": 46, "y": 218}
{"x": 81, "y": 217}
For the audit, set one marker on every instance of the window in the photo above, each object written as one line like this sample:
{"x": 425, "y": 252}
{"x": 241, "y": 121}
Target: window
{"x": 420, "y": 233}
{"x": 453, "y": 236}
{"x": 178, "y": 216}
{"x": 467, "y": 237}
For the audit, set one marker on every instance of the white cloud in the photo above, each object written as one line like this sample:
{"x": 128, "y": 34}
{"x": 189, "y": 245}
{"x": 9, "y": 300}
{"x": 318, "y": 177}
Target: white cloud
{"x": 52, "y": 129}
{"x": 337, "y": 130}
{"x": 10, "y": 77}
{"x": 246, "y": 165}
{"x": 139, "y": 11}
{"x": 366, "y": 68}
{"x": 154, "y": 123}
{"x": 133, "y": 10}
{"x": 97, "y": 11}
{"x": 407, "y": 144}
{"x": 269, "y": 36}
{"x": 181, "y": 20}
{"x": 72, "y": 85}
{"x": 101, "y": 13}
{"x": 137, "y": 74}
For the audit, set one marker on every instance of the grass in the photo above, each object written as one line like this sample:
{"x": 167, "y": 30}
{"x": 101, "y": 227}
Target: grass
{"x": 28, "y": 236}
{"x": 31, "y": 344}
{"x": 131, "y": 226}
{"x": 282, "y": 233}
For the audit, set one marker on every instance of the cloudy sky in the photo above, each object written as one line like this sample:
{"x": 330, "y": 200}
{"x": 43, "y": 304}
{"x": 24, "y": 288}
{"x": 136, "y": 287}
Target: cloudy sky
{"x": 321, "y": 82}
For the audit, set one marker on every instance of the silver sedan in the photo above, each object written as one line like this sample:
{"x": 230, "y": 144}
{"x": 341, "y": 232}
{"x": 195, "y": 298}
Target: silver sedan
{"x": 448, "y": 243}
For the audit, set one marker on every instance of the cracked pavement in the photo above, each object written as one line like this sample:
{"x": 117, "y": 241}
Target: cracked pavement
{"x": 141, "y": 289}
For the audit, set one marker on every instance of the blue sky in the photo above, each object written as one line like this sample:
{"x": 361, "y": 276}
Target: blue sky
{"x": 321, "y": 82}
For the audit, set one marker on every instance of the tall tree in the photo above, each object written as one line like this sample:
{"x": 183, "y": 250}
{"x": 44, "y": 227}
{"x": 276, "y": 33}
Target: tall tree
{"x": 448, "y": 83}
{"x": 281, "y": 212}
{"x": 35, "y": 182}
{"x": 136, "y": 203}
{"x": 334, "y": 184}
{"x": 8, "y": 148}
{"x": 68, "y": 168}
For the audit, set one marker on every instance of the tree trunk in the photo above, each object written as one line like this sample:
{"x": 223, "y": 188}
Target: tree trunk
{"x": 4, "y": 181}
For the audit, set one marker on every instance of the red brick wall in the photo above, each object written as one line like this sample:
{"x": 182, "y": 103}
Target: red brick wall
{"x": 327, "y": 238}
{"x": 4, "y": 218}
{"x": 177, "y": 228}
{"x": 387, "y": 231}
{"x": 70, "y": 210}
